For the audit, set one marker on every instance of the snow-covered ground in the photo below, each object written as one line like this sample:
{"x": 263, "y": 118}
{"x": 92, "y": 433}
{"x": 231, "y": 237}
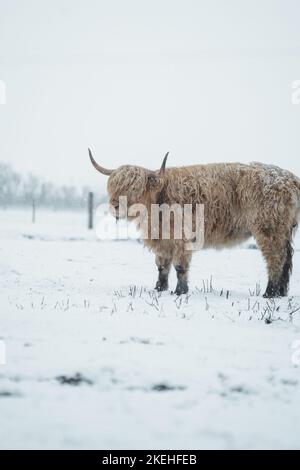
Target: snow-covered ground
{"x": 96, "y": 359}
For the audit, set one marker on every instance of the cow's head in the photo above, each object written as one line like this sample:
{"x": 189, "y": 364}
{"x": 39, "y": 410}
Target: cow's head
{"x": 133, "y": 182}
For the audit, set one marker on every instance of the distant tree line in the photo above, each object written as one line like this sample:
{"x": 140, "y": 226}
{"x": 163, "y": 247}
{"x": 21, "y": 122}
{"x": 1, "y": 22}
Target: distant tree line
{"x": 18, "y": 190}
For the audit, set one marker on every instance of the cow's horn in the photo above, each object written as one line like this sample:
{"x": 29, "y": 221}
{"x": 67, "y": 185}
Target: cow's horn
{"x": 99, "y": 168}
{"x": 163, "y": 165}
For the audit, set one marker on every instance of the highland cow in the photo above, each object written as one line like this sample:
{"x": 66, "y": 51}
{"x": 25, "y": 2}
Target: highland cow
{"x": 239, "y": 201}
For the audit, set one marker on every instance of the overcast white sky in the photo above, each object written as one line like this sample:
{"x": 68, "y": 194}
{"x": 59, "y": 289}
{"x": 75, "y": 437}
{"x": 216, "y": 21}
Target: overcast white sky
{"x": 209, "y": 80}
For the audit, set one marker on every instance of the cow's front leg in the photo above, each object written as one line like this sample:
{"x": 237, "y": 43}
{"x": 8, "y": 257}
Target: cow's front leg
{"x": 182, "y": 265}
{"x": 163, "y": 264}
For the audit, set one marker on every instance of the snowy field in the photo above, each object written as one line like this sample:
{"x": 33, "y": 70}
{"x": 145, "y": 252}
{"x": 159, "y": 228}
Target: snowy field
{"x": 96, "y": 359}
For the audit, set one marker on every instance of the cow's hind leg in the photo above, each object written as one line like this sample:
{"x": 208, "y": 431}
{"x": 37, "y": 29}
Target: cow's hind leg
{"x": 287, "y": 270}
{"x": 163, "y": 263}
{"x": 277, "y": 251}
{"x": 181, "y": 263}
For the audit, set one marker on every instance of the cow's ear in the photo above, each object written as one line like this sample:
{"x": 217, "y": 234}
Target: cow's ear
{"x": 154, "y": 181}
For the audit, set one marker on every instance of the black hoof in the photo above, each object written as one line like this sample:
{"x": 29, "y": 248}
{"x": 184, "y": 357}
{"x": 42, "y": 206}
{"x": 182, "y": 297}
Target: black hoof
{"x": 272, "y": 291}
{"x": 161, "y": 286}
{"x": 269, "y": 295}
{"x": 181, "y": 288}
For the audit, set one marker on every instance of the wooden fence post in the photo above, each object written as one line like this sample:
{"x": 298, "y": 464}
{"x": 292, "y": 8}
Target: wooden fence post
{"x": 91, "y": 211}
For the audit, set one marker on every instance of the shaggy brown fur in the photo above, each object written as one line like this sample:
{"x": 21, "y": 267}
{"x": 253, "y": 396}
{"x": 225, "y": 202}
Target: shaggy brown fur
{"x": 239, "y": 200}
